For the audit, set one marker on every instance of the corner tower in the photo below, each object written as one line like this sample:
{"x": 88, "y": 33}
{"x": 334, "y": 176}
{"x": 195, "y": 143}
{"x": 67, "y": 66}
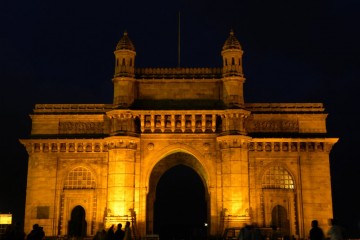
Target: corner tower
{"x": 232, "y": 77}
{"x": 124, "y": 92}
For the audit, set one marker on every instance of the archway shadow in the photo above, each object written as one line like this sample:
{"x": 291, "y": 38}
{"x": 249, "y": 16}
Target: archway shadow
{"x": 77, "y": 224}
{"x": 180, "y": 207}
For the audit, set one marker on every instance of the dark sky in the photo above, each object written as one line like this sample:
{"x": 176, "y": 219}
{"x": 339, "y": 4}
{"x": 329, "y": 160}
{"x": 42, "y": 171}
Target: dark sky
{"x": 294, "y": 51}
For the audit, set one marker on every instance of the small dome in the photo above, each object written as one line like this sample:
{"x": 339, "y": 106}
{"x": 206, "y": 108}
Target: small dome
{"x": 125, "y": 43}
{"x": 231, "y": 42}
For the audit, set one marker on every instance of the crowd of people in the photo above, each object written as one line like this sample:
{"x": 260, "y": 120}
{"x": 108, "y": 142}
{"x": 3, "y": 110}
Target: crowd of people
{"x": 248, "y": 232}
{"x": 335, "y": 232}
{"x": 112, "y": 234}
{"x": 15, "y": 232}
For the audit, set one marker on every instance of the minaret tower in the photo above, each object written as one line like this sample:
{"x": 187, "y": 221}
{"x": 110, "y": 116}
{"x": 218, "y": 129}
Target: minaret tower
{"x": 124, "y": 90}
{"x": 233, "y": 77}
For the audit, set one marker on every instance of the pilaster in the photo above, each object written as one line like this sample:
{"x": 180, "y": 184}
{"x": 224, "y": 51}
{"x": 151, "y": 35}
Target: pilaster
{"x": 234, "y": 179}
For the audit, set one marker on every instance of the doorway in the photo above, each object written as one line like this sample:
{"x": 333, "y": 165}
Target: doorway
{"x": 77, "y": 224}
{"x": 180, "y": 206}
{"x": 280, "y": 219}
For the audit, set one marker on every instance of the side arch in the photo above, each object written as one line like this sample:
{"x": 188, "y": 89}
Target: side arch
{"x": 279, "y": 198}
{"x": 78, "y": 184}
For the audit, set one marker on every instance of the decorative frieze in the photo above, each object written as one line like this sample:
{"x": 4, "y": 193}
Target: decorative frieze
{"x": 272, "y": 126}
{"x": 72, "y": 108}
{"x": 81, "y": 127}
{"x": 233, "y": 142}
{"x": 79, "y": 147}
{"x": 128, "y": 144}
{"x": 285, "y": 107}
{"x": 288, "y": 146}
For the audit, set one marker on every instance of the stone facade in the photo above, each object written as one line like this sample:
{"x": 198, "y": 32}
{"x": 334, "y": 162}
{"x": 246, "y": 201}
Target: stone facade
{"x": 259, "y": 162}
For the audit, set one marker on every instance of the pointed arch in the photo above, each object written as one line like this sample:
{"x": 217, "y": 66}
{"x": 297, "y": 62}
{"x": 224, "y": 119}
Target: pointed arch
{"x": 174, "y": 158}
{"x": 176, "y": 148}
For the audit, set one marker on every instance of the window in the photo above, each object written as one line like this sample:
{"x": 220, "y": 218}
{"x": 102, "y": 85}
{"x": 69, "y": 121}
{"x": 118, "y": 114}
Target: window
{"x": 277, "y": 178}
{"x": 79, "y": 178}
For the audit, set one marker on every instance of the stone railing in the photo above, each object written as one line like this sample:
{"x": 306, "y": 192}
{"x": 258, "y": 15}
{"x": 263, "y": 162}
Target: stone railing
{"x": 170, "y": 121}
{"x": 178, "y": 72}
{"x": 183, "y": 121}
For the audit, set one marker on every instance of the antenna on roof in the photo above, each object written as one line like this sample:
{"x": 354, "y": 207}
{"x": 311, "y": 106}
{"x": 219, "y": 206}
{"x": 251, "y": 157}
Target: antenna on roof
{"x": 179, "y": 41}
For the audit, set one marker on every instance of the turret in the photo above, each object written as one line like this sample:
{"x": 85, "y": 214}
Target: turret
{"x": 233, "y": 77}
{"x": 124, "y": 92}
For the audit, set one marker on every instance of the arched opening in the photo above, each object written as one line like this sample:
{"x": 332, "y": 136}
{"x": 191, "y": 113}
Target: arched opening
{"x": 180, "y": 207}
{"x": 77, "y": 223}
{"x": 279, "y": 200}
{"x": 280, "y": 219}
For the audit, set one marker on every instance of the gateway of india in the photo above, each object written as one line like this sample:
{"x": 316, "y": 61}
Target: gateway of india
{"x": 94, "y": 165}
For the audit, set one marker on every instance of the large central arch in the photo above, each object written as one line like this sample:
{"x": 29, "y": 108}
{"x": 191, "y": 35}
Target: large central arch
{"x": 164, "y": 165}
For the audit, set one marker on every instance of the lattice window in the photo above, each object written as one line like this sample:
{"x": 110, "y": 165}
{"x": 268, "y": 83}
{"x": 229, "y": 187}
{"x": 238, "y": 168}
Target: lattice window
{"x": 277, "y": 178}
{"x": 79, "y": 178}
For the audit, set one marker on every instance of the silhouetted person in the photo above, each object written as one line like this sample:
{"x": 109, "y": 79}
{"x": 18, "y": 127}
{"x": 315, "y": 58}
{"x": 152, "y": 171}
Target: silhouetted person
{"x": 127, "y": 231}
{"x": 335, "y": 232}
{"x": 119, "y": 234}
{"x": 100, "y": 235}
{"x": 316, "y": 233}
{"x": 37, "y": 233}
{"x": 110, "y": 235}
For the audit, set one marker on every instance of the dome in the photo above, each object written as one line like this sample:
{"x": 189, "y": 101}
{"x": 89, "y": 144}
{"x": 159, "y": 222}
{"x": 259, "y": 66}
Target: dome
{"x": 125, "y": 43}
{"x": 231, "y": 42}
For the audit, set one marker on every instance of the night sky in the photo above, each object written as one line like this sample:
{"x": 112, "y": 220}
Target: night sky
{"x": 294, "y": 51}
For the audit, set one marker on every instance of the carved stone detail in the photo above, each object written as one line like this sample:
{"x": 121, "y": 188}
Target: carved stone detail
{"x": 272, "y": 126}
{"x": 150, "y": 146}
{"x": 81, "y": 127}
{"x": 101, "y": 146}
{"x": 287, "y": 146}
{"x": 122, "y": 144}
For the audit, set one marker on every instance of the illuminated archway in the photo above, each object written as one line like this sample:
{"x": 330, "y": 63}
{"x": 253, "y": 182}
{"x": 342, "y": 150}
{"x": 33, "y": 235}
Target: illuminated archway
{"x": 173, "y": 166}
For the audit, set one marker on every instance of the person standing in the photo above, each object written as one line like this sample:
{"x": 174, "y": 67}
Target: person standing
{"x": 37, "y": 233}
{"x": 110, "y": 235}
{"x": 335, "y": 232}
{"x": 316, "y": 233}
{"x": 127, "y": 231}
{"x": 119, "y": 234}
